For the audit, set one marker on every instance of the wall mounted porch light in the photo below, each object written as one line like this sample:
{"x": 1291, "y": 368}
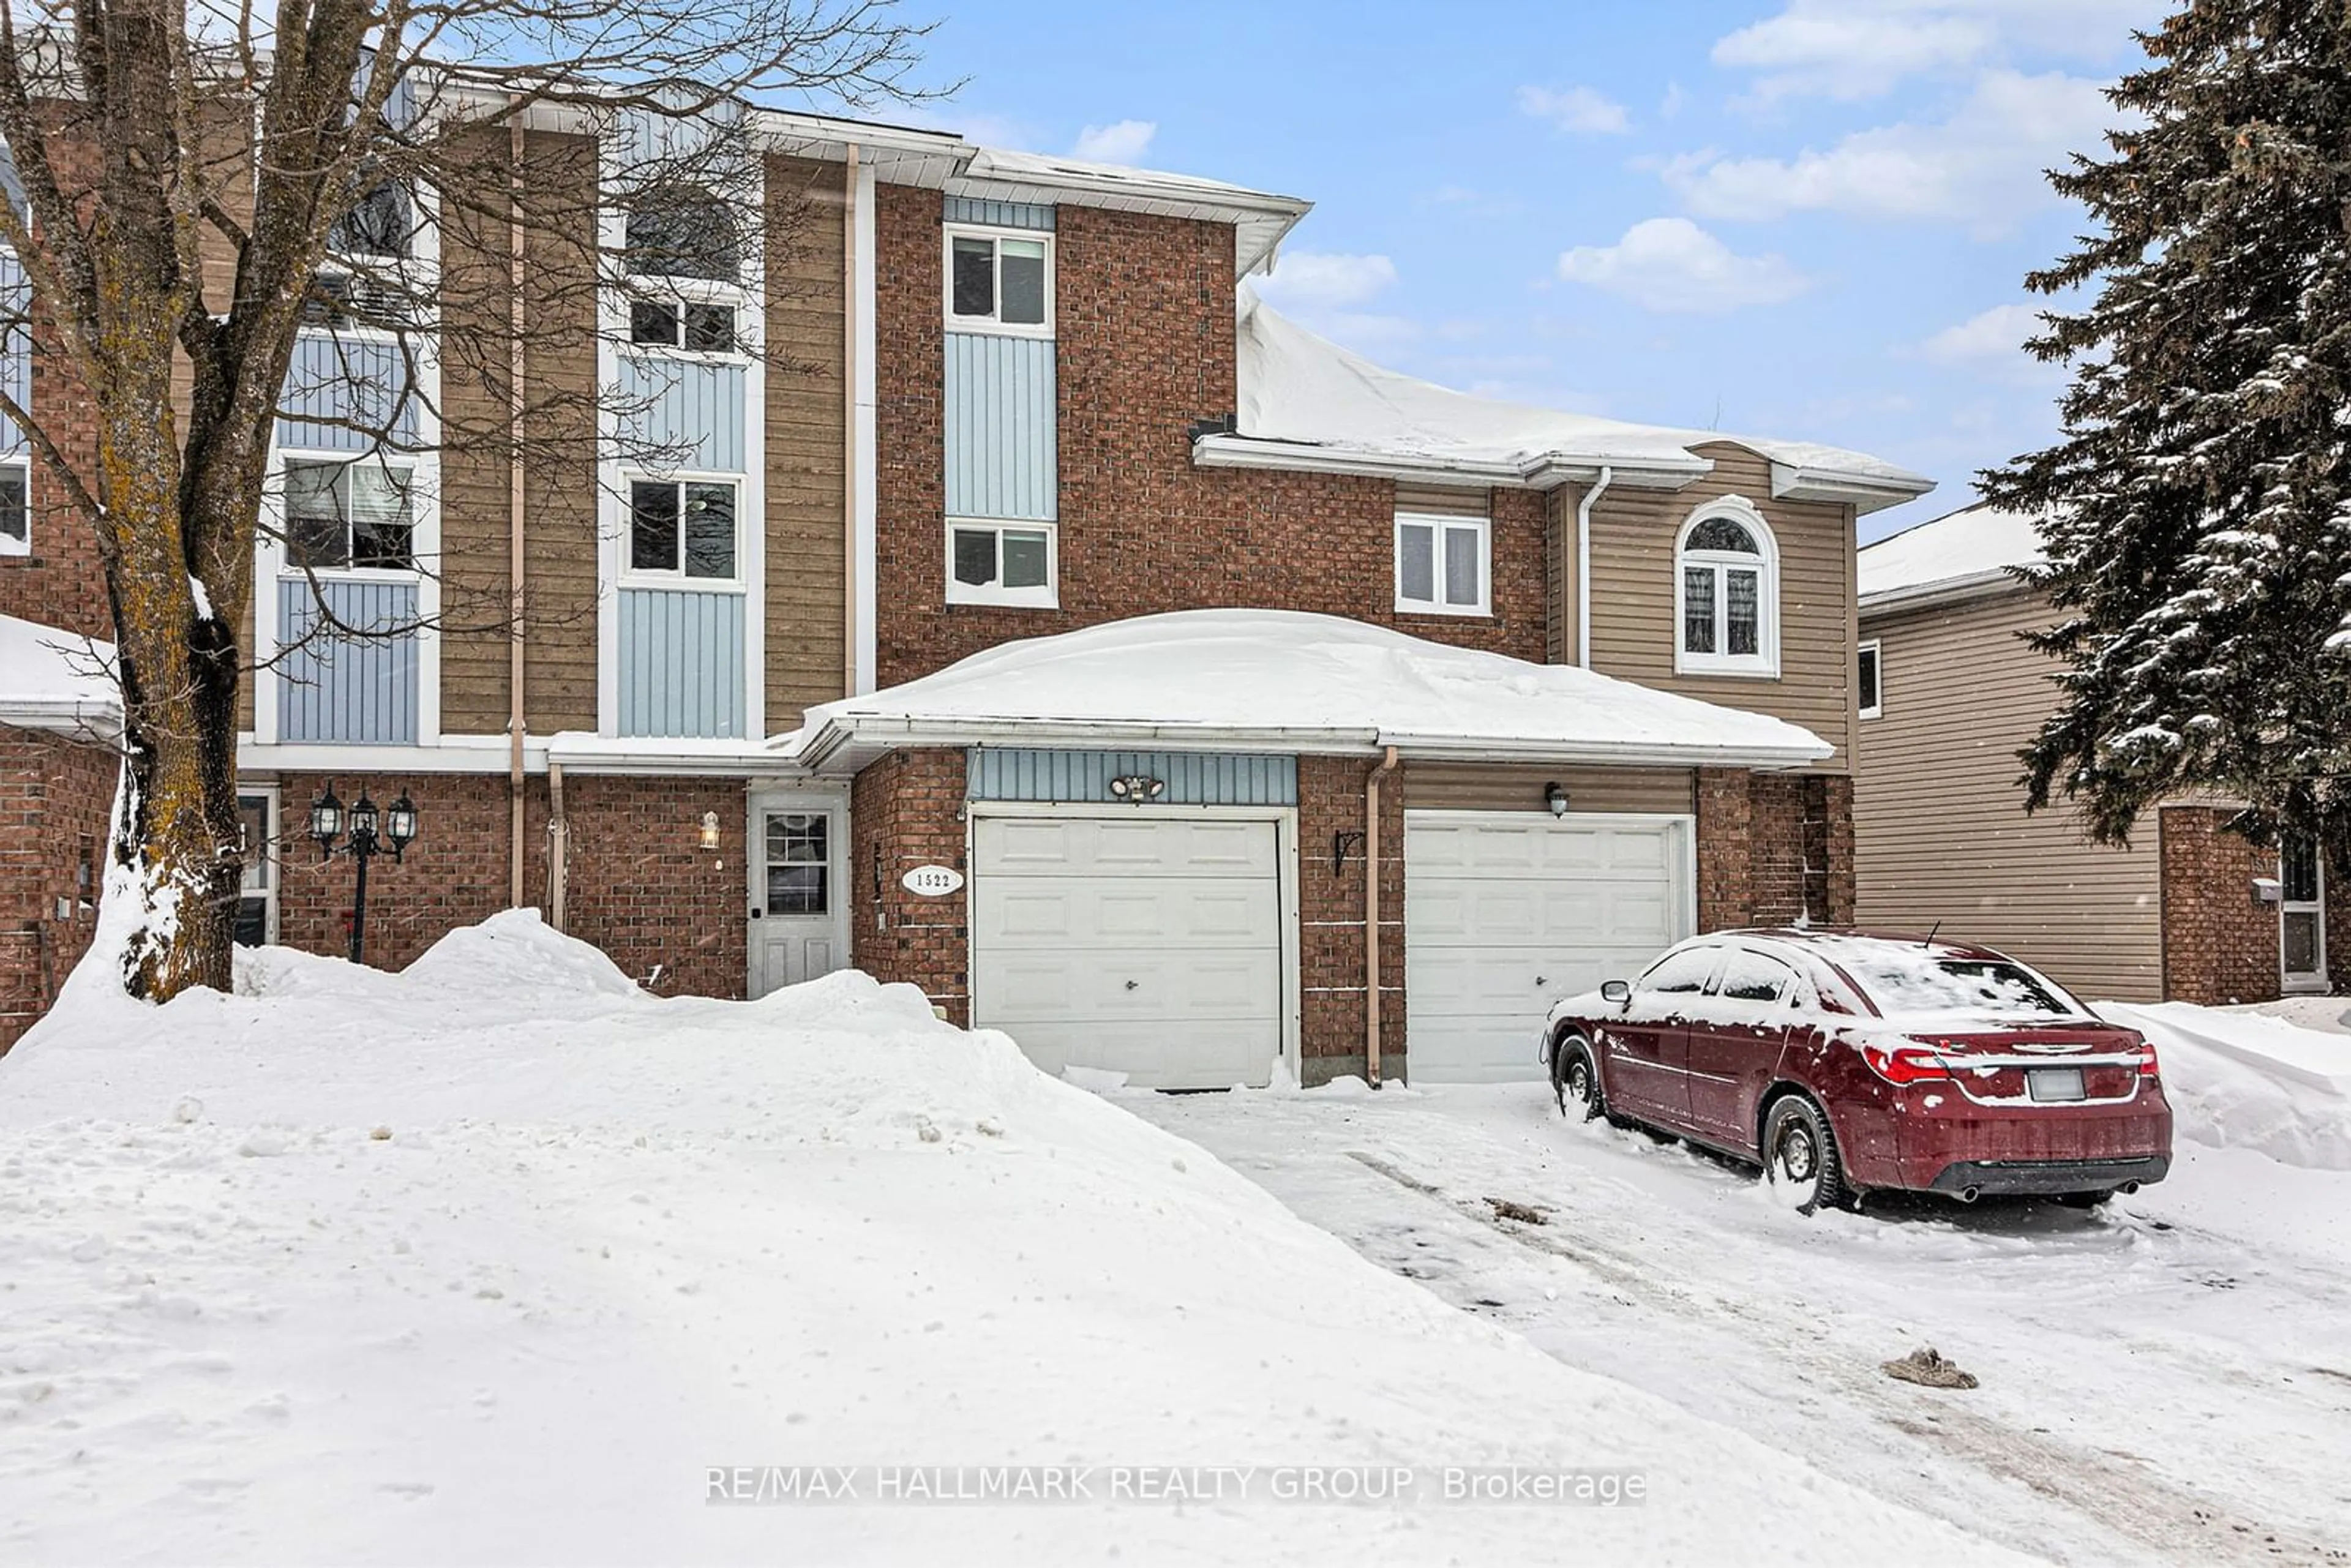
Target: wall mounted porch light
{"x": 1555, "y": 798}
{"x": 709, "y": 830}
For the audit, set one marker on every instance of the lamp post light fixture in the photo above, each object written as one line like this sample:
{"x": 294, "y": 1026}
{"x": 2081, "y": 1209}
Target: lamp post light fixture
{"x": 365, "y": 833}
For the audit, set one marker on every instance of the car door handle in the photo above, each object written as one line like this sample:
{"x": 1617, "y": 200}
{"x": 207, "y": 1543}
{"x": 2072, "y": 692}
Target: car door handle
{"x": 1542, "y": 980}
{"x": 1131, "y": 984}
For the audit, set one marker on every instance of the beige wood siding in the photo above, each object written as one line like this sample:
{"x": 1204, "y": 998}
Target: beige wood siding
{"x": 1444, "y": 500}
{"x": 807, "y": 613}
{"x": 1489, "y": 787}
{"x": 1633, "y": 630}
{"x": 1939, "y": 827}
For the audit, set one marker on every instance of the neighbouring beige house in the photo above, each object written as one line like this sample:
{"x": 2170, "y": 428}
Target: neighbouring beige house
{"x": 1950, "y": 693}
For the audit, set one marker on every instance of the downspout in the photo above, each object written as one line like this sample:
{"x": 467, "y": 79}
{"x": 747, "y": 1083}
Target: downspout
{"x": 558, "y": 847}
{"x": 515, "y": 724}
{"x": 848, "y": 426}
{"x": 1372, "y": 915}
{"x": 1584, "y": 565}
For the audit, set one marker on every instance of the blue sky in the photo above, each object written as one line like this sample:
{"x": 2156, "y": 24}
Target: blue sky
{"x": 1807, "y": 218}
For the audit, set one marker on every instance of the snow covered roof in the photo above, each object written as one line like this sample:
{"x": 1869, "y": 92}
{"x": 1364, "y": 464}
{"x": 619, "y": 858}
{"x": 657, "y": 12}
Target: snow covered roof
{"x": 1970, "y": 549}
{"x": 56, "y": 680}
{"x": 1278, "y": 680}
{"x": 1305, "y": 403}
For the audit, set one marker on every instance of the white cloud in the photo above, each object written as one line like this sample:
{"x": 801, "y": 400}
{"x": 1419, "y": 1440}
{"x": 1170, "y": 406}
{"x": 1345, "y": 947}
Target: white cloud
{"x": 1671, "y": 263}
{"x": 1980, "y": 165}
{"x": 1992, "y": 342}
{"x": 1576, "y": 108}
{"x": 1308, "y": 281}
{"x": 1862, "y": 48}
{"x": 1121, "y": 142}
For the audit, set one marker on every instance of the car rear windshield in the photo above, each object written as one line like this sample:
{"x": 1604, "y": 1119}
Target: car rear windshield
{"x": 1900, "y": 982}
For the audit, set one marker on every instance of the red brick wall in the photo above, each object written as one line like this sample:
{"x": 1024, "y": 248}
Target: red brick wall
{"x": 61, "y": 583}
{"x": 2219, "y": 945}
{"x": 1773, "y": 849}
{"x": 1331, "y": 911}
{"x": 1145, "y": 346}
{"x": 640, "y": 885}
{"x": 904, "y": 813}
{"x": 55, "y": 798}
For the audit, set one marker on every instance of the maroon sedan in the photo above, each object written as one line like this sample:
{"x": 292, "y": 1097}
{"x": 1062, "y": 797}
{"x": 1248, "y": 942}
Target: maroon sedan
{"x": 1845, "y": 1062}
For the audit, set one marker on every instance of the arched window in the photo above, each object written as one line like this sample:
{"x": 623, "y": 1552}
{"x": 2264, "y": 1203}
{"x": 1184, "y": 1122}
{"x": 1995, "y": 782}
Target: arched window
{"x": 684, "y": 232}
{"x": 1727, "y": 592}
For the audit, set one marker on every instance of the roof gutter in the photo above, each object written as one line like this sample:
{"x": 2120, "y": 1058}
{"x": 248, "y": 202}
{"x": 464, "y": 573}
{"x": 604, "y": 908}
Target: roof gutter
{"x": 1544, "y": 472}
{"x": 63, "y": 716}
{"x": 834, "y": 736}
{"x": 1974, "y": 585}
{"x": 1866, "y": 493}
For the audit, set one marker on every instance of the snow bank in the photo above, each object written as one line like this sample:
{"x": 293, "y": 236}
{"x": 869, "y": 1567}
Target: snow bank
{"x": 495, "y": 1259}
{"x": 2238, "y": 1080}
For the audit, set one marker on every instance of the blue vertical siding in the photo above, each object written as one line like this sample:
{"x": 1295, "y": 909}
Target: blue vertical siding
{"x": 1193, "y": 778}
{"x": 691, "y": 411}
{"x": 16, "y": 351}
{"x": 334, "y": 688}
{"x": 1002, "y": 449}
{"x": 998, "y": 214}
{"x": 681, "y": 663}
{"x": 345, "y": 378}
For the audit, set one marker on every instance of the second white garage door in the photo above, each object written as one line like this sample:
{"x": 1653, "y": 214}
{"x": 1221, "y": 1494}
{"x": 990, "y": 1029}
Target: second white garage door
{"x": 1506, "y": 911}
{"x": 1145, "y": 945}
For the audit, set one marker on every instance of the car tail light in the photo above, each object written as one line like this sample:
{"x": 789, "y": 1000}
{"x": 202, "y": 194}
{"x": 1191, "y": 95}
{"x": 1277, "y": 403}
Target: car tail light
{"x": 1905, "y": 1064}
{"x": 2147, "y": 1063}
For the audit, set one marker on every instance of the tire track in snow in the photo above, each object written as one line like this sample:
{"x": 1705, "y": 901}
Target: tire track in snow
{"x": 2153, "y": 1511}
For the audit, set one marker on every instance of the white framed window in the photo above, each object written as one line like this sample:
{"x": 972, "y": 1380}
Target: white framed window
{"x": 2302, "y": 915}
{"x": 256, "y": 909}
{"x": 1727, "y": 592}
{"x": 684, "y": 527}
{"x": 999, "y": 280}
{"x": 683, "y": 230}
{"x": 1869, "y": 679}
{"x": 349, "y": 514}
{"x": 1442, "y": 565}
{"x": 15, "y": 506}
{"x": 693, "y": 326}
{"x": 991, "y": 563}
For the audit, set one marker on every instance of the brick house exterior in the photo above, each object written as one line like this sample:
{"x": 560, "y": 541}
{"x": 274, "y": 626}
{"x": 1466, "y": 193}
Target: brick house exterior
{"x": 1159, "y": 499}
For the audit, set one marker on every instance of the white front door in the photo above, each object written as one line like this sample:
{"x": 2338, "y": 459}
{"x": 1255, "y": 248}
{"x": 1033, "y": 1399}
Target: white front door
{"x": 1145, "y": 945}
{"x": 800, "y": 857}
{"x": 1507, "y": 912}
{"x": 2301, "y": 916}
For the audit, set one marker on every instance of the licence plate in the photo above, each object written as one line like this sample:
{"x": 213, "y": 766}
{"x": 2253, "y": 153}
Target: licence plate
{"x": 2055, "y": 1084}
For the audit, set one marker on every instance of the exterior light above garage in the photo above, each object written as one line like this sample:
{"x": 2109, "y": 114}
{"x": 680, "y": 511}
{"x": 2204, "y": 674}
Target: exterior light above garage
{"x": 1137, "y": 788}
{"x": 1555, "y": 798}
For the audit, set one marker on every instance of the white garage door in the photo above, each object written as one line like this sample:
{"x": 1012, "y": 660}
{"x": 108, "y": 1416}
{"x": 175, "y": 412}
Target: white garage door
{"x": 1147, "y": 945}
{"x": 1505, "y": 912}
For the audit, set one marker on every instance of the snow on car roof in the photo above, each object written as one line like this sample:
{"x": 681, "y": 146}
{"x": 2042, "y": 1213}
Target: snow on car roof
{"x": 1301, "y": 682}
{"x": 1975, "y": 544}
{"x": 1297, "y": 387}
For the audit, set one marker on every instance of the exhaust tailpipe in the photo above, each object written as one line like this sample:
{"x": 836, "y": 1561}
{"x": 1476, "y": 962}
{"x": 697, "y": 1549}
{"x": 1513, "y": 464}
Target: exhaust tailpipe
{"x": 1970, "y": 1194}
{"x": 2129, "y": 1187}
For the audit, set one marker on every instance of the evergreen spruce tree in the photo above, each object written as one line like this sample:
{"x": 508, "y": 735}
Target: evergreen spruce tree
{"x": 2200, "y": 504}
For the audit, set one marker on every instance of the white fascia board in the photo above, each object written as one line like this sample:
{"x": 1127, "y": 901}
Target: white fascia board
{"x": 63, "y": 716}
{"x": 847, "y": 745}
{"x": 1544, "y": 473}
{"x": 1948, "y": 590}
{"x": 451, "y": 754}
{"x": 577, "y": 751}
{"x": 1866, "y": 492}
{"x": 1504, "y": 749}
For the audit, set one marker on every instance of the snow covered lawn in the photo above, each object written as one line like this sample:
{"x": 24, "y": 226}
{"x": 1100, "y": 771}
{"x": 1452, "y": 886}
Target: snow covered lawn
{"x": 494, "y": 1261}
{"x": 2166, "y": 1380}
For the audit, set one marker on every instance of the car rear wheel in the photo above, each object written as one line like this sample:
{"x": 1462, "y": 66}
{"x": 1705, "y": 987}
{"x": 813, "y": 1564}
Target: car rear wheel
{"x": 1800, "y": 1156}
{"x": 1576, "y": 1081}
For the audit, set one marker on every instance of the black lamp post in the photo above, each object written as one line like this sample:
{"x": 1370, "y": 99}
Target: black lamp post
{"x": 365, "y": 835}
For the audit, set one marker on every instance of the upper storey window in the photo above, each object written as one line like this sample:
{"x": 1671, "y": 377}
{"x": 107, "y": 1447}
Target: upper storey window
{"x": 999, "y": 282}
{"x": 378, "y": 225}
{"x": 684, "y": 232}
{"x": 1727, "y": 592}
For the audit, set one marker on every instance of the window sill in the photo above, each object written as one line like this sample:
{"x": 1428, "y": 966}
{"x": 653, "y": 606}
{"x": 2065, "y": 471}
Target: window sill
{"x": 686, "y": 356}
{"x": 676, "y": 583}
{"x": 1756, "y": 670}
{"x": 1444, "y": 612}
{"x": 981, "y": 327}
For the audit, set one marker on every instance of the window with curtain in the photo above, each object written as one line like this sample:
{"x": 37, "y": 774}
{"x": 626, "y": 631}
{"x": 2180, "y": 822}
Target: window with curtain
{"x": 356, "y": 514}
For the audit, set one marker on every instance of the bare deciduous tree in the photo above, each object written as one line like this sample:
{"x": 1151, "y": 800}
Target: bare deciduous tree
{"x": 199, "y": 184}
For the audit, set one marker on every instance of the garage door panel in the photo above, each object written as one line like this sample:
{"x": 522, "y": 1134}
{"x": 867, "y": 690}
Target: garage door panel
{"x": 1150, "y": 945}
{"x": 1504, "y": 918}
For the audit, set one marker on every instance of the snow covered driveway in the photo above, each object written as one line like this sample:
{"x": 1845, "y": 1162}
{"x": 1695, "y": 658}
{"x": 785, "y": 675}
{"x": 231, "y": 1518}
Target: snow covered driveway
{"x": 2168, "y": 1381}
